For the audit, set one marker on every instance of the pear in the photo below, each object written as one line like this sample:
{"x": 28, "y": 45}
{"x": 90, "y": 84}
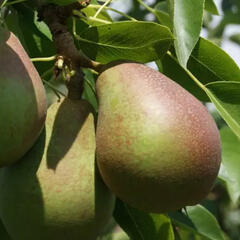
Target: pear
{"x": 158, "y": 148}
{"x": 55, "y": 191}
{"x": 23, "y": 104}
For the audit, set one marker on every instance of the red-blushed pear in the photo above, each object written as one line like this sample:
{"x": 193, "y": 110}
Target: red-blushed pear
{"x": 55, "y": 192}
{"x": 158, "y": 148}
{"x": 23, "y": 103}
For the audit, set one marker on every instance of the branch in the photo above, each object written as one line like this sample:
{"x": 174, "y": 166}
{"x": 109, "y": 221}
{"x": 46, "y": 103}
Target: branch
{"x": 55, "y": 17}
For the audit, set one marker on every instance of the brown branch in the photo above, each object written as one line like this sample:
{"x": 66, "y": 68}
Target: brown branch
{"x": 55, "y": 17}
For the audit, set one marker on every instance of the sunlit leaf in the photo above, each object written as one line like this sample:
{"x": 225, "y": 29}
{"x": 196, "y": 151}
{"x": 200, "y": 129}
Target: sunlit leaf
{"x": 211, "y": 7}
{"x": 143, "y": 226}
{"x": 229, "y": 170}
{"x": 126, "y": 40}
{"x": 187, "y": 17}
{"x": 198, "y": 221}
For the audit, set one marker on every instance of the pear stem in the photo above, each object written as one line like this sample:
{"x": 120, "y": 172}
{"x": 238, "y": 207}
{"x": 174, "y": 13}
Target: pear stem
{"x": 44, "y": 59}
{"x": 94, "y": 6}
{"x": 55, "y": 17}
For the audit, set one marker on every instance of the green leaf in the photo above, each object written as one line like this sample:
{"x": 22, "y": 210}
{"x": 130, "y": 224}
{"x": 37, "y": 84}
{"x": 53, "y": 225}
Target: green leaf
{"x": 219, "y": 76}
{"x": 183, "y": 234}
{"x": 34, "y": 36}
{"x": 172, "y": 69}
{"x": 211, "y": 7}
{"x": 53, "y": 88}
{"x": 224, "y": 91}
{"x": 42, "y": 27}
{"x": 198, "y": 221}
{"x": 90, "y": 12}
{"x": 89, "y": 92}
{"x": 142, "y": 226}
{"x": 216, "y": 74}
{"x": 226, "y": 98}
{"x": 229, "y": 171}
{"x": 83, "y": 24}
{"x": 235, "y": 38}
{"x": 162, "y": 6}
{"x": 126, "y": 40}
{"x": 161, "y": 11}
{"x": 209, "y": 63}
{"x": 205, "y": 222}
{"x": 118, "y": 234}
{"x": 187, "y": 17}
{"x": 3, "y": 233}
{"x": 163, "y": 18}
{"x": 12, "y": 22}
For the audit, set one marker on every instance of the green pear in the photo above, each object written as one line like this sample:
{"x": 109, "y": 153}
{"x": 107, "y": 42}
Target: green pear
{"x": 55, "y": 192}
{"x": 23, "y": 104}
{"x": 158, "y": 149}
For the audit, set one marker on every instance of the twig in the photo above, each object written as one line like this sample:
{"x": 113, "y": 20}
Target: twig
{"x": 113, "y": 10}
{"x": 55, "y": 17}
{"x": 56, "y": 91}
{"x": 44, "y": 59}
{"x": 79, "y": 14}
{"x": 101, "y": 8}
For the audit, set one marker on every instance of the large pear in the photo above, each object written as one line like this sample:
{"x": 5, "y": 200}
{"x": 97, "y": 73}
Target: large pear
{"x": 55, "y": 192}
{"x": 158, "y": 148}
{"x": 23, "y": 103}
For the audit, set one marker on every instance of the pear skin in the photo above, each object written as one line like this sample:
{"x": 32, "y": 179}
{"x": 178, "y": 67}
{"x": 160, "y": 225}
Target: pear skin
{"x": 55, "y": 191}
{"x": 158, "y": 148}
{"x": 23, "y": 103}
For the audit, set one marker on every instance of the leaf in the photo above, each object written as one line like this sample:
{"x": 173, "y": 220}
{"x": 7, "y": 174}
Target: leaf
{"x": 199, "y": 221}
{"x": 3, "y": 233}
{"x": 209, "y": 63}
{"x": 12, "y": 23}
{"x": 183, "y": 234}
{"x": 83, "y": 24}
{"x": 187, "y": 17}
{"x": 226, "y": 98}
{"x": 42, "y": 27}
{"x": 161, "y": 11}
{"x": 163, "y": 18}
{"x": 230, "y": 166}
{"x": 90, "y": 12}
{"x": 53, "y": 88}
{"x": 211, "y": 7}
{"x": 126, "y": 40}
{"x": 218, "y": 76}
{"x": 89, "y": 92}
{"x": 143, "y": 226}
{"x": 118, "y": 234}
{"x": 235, "y": 38}
{"x": 36, "y": 43}
{"x": 172, "y": 69}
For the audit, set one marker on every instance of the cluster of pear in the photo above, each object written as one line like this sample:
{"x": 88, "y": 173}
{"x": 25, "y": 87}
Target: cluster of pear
{"x": 157, "y": 149}
{"x": 53, "y": 190}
